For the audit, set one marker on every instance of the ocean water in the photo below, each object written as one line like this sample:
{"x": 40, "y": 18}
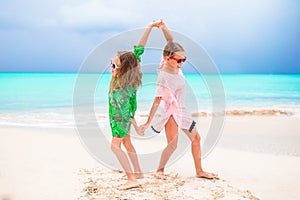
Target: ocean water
{"x": 47, "y": 99}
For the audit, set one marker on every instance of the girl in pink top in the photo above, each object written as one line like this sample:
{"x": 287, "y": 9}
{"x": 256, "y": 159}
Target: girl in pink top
{"x": 171, "y": 90}
{"x": 170, "y": 93}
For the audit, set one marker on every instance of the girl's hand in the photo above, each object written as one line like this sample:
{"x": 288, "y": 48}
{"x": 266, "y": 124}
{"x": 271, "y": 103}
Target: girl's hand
{"x": 139, "y": 130}
{"x": 155, "y": 23}
{"x": 162, "y": 24}
{"x": 144, "y": 126}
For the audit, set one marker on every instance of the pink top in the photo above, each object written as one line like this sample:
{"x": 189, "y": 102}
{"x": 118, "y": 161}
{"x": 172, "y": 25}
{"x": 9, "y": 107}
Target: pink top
{"x": 171, "y": 87}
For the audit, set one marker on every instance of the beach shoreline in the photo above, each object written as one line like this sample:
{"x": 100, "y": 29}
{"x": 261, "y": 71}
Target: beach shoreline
{"x": 257, "y": 156}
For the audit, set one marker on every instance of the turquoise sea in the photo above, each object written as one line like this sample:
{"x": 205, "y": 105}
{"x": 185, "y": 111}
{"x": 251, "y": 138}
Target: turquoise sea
{"x": 47, "y": 98}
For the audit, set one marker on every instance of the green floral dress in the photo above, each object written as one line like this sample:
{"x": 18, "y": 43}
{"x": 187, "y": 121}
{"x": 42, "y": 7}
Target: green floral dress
{"x": 122, "y": 105}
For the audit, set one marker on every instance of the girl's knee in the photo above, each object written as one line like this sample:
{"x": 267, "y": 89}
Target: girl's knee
{"x": 128, "y": 146}
{"x": 173, "y": 146}
{"x": 114, "y": 148}
{"x": 126, "y": 143}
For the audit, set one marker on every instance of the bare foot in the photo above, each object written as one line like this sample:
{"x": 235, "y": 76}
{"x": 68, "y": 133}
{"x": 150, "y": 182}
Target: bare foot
{"x": 160, "y": 175}
{"x": 130, "y": 185}
{"x": 207, "y": 175}
{"x": 139, "y": 175}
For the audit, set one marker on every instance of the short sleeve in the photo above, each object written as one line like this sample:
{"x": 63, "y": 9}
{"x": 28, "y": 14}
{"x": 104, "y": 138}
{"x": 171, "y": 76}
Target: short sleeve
{"x": 161, "y": 91}
{"x": 138, "y": 51}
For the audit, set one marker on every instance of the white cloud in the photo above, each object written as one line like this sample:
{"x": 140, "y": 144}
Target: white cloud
{"x": 48, "y": 23}
{"x": 191, "y": 17}
{"x": 99, "y": 14}
{"x": 224, "y": 27}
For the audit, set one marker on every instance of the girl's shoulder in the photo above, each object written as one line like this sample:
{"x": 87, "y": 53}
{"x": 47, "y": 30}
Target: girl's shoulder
{"x": 119, "y": 93}
{"x": 130, "y": 89}
{"x": 166, "y": 73}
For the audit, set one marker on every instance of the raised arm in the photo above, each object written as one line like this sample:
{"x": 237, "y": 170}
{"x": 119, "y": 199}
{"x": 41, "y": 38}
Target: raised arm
{"x": 167, "y": 33}
{"x": 144, "y": 38}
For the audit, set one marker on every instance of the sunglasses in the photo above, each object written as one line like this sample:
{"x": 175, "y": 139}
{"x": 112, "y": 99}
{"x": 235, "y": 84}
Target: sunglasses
{"x": 179, "y": 60}
{"x": 114, "y": 65}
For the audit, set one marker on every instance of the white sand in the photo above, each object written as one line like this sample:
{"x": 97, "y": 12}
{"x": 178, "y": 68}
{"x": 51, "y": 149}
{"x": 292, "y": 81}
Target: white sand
{"x": 254, "y": 158}
{"x": 40, "y": 163}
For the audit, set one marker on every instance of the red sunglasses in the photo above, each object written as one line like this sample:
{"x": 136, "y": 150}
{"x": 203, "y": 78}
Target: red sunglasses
{"x": 179, "y": 60}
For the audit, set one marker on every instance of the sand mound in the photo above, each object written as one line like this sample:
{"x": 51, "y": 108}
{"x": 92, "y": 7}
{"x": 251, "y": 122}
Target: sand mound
{"x": 103, "y": 184}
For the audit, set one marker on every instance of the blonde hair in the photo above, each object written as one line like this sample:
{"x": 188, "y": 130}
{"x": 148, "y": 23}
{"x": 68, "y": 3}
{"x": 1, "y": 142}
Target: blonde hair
{"x": 128, "y": 74}
{"x": 171, "y": 48}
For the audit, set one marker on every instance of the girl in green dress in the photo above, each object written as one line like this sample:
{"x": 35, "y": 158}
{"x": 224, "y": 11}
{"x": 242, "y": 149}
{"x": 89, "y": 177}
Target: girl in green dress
{"x": 126, "y": 78}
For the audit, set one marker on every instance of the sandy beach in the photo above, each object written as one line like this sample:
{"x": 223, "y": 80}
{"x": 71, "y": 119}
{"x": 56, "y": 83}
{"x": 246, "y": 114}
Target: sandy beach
{"x": 257, "y": 157}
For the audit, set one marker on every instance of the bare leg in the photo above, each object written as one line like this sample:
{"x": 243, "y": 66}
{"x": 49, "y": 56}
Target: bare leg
{"x": 116, "y": 148}
{"x": 196, "y": 152}
{"x": 132, "y": 156}
{"x": 171, "y": 129}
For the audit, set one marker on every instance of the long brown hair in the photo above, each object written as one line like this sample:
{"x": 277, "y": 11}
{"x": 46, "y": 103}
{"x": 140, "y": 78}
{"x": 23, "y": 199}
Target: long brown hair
{"x": 128, "y": 73}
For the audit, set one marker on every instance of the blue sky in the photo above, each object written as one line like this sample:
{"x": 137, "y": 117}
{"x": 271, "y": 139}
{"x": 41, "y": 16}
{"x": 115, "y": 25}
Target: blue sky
{"x": 241, "y": 36}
